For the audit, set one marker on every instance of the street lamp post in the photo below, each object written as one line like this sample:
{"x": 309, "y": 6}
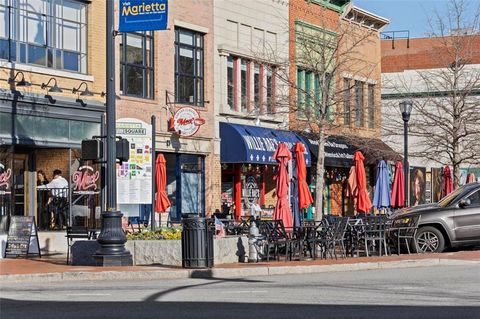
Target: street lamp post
{"x": 112, "y": 237}
{"x": 406, "y": 109}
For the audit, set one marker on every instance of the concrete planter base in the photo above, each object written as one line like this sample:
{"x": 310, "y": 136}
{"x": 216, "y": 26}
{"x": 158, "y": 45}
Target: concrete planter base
{"x": 164, "y": 252}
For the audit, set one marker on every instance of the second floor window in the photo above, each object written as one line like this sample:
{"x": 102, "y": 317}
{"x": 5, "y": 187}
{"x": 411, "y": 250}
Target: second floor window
{"x": 136, "y": 64}
{"x": 309, "y": 93}
{"x": 359, "y": 104}
{"x": 189, "y": 60}
{"x": 48, "y": 33}
{"x": 250, "y": 86}
{"x": 346, "y": 101}
{"x": 371, "y": 106}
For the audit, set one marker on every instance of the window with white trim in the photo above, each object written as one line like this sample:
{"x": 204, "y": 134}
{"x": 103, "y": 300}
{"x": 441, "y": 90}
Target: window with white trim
{"x": 250, "y": 85}
{"x": 48, "y": 33}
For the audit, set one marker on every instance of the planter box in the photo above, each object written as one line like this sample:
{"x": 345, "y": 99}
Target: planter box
{"x": 164, "y": 252}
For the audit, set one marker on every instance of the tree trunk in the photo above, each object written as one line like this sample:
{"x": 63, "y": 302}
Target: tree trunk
{"x": 319, "y": 177}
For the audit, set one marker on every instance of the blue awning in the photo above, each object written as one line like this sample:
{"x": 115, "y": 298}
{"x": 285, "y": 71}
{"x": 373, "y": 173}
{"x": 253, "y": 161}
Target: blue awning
{"x": 256, "y": 145}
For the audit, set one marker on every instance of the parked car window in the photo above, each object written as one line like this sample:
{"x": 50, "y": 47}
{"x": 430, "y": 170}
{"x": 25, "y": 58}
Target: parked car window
{"x": 475, "y": 198}
{"x": 447, "y": 200}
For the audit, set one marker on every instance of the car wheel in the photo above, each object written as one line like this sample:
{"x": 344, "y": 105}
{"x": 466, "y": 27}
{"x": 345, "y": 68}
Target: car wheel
{"x": 429, "y": 240}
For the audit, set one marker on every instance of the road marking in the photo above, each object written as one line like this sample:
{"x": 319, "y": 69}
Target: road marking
{"x": 247, "y": 292}
{"x": 88, "y": 294}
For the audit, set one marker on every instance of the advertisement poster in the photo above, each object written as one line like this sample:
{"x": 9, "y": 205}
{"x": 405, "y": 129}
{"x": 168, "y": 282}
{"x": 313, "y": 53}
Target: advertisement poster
{"x": 417, "y": 187}
{"x": 143, "y": 15}
{"x": 134, "y": 178}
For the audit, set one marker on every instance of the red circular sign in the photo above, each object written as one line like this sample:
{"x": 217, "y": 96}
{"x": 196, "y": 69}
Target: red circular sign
{"x": 186, "y": 121}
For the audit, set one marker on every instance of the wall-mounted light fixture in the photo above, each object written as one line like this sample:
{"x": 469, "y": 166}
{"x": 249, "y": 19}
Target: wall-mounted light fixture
{"x": 54, "y": 88}
{"x": 22, "y": 81}
{"x": 85, "y": 92}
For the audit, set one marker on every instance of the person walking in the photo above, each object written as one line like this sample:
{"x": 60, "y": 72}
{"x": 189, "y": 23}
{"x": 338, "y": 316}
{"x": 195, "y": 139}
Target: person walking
{"x": 59, "y": 189}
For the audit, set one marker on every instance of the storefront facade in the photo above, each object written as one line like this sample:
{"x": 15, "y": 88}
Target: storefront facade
{"x": 35, "y": 137}
{"x": 339, "y": 151}
{"x": 166, "y": 74}
{"x": 249, "y": 169}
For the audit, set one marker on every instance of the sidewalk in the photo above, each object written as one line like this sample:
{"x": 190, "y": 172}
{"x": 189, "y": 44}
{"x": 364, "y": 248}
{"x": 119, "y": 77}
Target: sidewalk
{"x": 55, "y": 269}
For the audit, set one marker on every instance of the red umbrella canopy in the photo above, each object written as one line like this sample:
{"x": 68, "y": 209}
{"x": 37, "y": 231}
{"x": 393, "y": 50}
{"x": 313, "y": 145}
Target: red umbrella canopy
{"x": 447, "y": 181}
{"x": 397, "y": 198}
{"x": 304, "y": 196}
{"x": 161, "y": 198}
{"x": 363, "y": 201}
{"x": 282, "y": 209}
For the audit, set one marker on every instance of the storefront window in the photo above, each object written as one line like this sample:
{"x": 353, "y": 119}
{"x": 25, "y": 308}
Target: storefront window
{"x": 36, "y": 128}
{"x": 6, "y": 184}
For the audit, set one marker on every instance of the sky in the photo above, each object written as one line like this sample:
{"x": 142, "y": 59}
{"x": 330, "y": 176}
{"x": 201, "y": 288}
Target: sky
{"x": 409, "y": 15}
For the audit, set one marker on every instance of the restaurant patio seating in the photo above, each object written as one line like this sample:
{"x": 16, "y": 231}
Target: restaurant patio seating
{"x": 277, "y": 237}
{"x": 404, "y": 232}
{"x": 74, "y": 233}
{"x": 332, "y": 236}
{"x": 374, "y": 234}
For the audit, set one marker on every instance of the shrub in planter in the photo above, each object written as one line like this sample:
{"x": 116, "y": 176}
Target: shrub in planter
{"x": 162, "y": 234}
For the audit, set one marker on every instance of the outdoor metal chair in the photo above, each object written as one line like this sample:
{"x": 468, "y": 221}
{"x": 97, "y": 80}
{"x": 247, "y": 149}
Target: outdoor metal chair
{"x": 73, "y": 233}
{"x": 374, "y": 232}
{"x": 276, "y": 238}
{"x": 404, "y": 232}
{"x": 332, "y": 236}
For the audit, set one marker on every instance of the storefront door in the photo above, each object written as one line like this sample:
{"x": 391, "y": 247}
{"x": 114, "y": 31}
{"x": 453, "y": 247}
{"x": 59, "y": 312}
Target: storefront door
{"x": 185, "y": 185}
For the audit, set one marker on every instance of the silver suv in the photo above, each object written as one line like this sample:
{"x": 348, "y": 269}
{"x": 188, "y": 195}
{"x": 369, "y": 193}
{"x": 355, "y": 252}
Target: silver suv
{"x": 452, "y": 222}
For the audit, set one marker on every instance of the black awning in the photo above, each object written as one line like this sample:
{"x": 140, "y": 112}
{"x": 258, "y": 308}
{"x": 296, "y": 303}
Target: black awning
{"x": 339, "y": 150}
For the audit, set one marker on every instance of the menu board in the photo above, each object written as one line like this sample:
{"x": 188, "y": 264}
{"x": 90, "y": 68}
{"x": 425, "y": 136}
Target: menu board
{"x": 22, "y": 229}
{"x": 134, "y": 178}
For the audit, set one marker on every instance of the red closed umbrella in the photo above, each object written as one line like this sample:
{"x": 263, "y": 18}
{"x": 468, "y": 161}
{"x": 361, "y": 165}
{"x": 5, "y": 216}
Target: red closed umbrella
{"x": 161, "y": 199}
{"x": 397, "y": 198}
{"x": 363, "y": 201}
{"x": 447, "y": 181}
{"x": 304, "y": 196}
{"x": 282, "y": 209}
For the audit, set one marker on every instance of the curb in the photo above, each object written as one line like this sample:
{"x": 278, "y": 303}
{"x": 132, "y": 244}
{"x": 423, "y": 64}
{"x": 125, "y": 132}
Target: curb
{"x": 228, "y": 272}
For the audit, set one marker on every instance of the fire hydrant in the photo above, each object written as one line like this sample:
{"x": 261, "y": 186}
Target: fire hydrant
{"x": 253, "y": 243}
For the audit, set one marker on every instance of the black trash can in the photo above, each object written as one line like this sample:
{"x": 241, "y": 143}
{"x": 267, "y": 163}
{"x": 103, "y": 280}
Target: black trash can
{"x": 197, "y": 242}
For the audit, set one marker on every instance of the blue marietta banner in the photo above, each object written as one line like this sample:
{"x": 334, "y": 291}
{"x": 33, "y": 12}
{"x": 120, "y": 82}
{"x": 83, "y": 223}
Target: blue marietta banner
{"x": 143, "y": 15}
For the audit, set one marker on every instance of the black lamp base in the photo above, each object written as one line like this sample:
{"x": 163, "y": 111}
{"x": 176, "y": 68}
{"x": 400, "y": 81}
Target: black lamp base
{"x": 112, "y": 240}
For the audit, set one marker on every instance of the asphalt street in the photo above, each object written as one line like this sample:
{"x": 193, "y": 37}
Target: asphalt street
{"x": 434, "y": 292}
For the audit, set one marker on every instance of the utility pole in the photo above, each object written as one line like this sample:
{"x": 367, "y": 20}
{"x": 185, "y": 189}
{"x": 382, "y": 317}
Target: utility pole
{"x": 112, "y": 237}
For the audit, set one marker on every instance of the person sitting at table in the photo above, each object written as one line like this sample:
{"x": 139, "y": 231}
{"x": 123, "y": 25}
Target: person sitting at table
{"x": 59, "y": 189}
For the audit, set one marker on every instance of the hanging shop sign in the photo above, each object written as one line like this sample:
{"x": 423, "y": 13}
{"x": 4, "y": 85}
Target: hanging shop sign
{"x": 251, "y": 191}
{"x": 143, "y": 15}
{"x": 187, "y": 121}
{"x": 134, "y": 178}
{"x": 85, "y": 180}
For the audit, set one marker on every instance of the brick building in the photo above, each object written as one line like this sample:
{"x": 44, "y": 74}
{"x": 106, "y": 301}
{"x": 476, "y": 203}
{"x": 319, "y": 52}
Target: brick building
{"x": 164, "y": 73}
{"x": 336, "y": 43}
{"x": 50, "y": 99}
